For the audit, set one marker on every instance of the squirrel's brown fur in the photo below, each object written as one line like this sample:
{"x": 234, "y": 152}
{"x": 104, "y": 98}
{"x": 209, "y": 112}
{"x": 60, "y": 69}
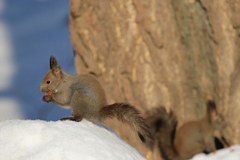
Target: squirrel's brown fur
{"x": 85, "y": 96}
{"x": 164, "y": 127}
{"x": 191, "y": 138}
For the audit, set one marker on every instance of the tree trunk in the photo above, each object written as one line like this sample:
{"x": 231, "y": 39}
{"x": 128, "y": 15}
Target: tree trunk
{"x": 173, "y": 53}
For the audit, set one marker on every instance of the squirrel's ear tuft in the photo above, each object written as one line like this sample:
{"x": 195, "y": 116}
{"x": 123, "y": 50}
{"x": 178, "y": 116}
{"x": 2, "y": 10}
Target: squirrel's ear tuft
{"x": 56, "y": 70}
{"x": 53, "y": 62}
{"x": 212, "y": 110}
{"x": 211, "y": 105}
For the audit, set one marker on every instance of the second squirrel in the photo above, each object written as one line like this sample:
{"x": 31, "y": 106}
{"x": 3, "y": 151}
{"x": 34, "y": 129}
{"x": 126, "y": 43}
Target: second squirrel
{"x": 191, "y": 138}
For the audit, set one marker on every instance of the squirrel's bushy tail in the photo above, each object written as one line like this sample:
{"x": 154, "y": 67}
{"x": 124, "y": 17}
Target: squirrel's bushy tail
{"x": 128, "y": 114}
{"x": 164, "y": 128}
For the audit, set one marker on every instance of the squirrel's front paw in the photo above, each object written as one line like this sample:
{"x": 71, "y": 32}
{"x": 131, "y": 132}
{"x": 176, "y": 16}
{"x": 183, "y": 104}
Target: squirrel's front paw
{"x": 47, "y": 98}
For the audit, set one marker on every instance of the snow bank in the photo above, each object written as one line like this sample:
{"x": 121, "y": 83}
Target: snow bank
{"x": 231, "y": 153}
{"x": 62, "y": 140}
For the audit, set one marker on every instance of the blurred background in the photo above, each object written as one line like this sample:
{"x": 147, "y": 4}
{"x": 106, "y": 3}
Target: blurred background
{"x": 30, "y": 32}
{"x": 174, "y": 53}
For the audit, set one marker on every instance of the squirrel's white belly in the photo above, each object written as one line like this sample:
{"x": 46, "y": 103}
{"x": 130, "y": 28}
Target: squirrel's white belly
{"x": 66, "y": 106}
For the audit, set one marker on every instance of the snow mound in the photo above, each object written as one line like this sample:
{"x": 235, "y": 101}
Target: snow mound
{"x": 231, "y": 153}
{"x": 62, "y": 140}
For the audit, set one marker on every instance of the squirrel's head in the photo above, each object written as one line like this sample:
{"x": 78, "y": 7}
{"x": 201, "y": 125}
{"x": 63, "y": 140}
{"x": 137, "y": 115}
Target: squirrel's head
{"x": 52, "y": 78}
{"x": 216, "y": 119}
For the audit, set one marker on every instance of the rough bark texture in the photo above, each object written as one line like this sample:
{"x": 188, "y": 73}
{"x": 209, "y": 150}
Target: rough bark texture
{"x": 174, "y": 53}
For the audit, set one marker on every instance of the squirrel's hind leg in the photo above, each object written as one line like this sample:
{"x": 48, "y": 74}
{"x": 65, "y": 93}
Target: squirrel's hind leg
{"x": 77, "y": 119}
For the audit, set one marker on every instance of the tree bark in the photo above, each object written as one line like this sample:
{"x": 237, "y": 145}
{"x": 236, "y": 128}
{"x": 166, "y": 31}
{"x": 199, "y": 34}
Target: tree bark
{"x": 173, "y": 53}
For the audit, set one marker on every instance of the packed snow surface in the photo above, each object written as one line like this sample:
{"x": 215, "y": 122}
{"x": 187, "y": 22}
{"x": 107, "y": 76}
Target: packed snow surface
{"x": 67, "y": 140}
{"x": 62, "y": 140}
{"x": 231, "y": 153}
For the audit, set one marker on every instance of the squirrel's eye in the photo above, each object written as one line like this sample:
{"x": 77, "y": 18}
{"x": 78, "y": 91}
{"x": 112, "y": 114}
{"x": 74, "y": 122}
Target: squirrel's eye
{"x": 48, "y": 82}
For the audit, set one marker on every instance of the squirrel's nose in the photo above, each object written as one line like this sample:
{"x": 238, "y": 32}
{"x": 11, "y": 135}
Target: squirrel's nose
{"x": 43, "y": 89}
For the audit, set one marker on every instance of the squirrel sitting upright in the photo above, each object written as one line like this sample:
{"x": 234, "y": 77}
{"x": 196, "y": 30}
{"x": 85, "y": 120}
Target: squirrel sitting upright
{"x": 191, "y": 138}
{"x": 85, "y": 96}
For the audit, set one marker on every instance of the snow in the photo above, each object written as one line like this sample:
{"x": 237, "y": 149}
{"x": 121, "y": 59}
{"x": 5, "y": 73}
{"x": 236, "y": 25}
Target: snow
{"x": 231, "y": 153}
{"x": 62, "y": 140}
{"x": 68, "y": 140}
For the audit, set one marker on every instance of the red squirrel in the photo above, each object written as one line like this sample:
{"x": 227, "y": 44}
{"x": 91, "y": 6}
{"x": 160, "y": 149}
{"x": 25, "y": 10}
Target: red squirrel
{"x": 191, "y": 138}
{"x": 86, "y": 98}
